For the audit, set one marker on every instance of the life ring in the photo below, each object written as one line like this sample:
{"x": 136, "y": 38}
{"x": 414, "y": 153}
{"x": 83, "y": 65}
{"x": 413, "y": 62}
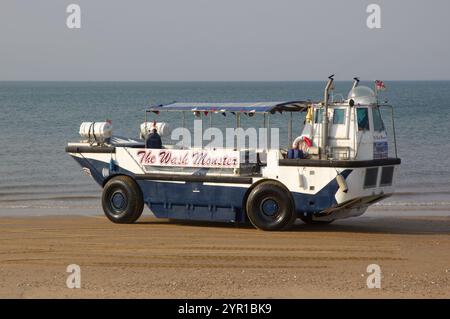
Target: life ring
{"x": 302, "y": 143}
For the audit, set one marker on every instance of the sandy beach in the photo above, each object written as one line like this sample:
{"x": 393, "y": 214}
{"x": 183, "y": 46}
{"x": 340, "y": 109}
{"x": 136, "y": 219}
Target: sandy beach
{"x": 159, "y": 258}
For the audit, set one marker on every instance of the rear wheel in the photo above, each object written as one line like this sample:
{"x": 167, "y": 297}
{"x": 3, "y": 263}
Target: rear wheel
{"x": 122, "y": 200}
{"x": 270, "y": 207}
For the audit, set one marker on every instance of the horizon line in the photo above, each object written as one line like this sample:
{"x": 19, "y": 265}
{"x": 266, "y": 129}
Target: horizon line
{"x": 222, "y": 81}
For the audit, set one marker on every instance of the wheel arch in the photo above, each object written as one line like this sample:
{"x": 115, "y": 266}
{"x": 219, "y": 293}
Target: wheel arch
{"x": 107, "y": 179}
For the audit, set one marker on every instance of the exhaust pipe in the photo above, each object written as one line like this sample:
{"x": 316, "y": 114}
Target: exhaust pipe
{"x": 324, "y": 135}
{"x": 355, "y": 82}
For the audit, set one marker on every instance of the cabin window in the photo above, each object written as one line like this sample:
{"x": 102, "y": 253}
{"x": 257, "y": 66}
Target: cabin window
{"x": 363, "y": 119}
{"x": 339, "y": 116}
{"x": 378, "y": 124}
{"x": 387, "y": 174}
{"x": 370, "y": 180}
{"x": 318, "y": 116}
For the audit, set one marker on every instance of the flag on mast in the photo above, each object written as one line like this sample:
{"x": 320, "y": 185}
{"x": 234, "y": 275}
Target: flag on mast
{"x": 379, "y": 85}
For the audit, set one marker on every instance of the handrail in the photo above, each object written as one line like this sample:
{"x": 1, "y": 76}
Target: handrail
{"x": 393, "y": 126}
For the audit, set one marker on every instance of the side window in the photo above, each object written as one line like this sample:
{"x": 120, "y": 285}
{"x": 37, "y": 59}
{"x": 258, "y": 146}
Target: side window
{"x": 378, "y": 124}
{"x": 339, "y": 116}
{"x": 363, "y": 119}
{"x": 318, "y": 116}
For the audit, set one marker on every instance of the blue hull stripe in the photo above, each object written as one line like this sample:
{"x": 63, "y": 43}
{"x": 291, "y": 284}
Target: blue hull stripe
{"x": 197, "y": 201}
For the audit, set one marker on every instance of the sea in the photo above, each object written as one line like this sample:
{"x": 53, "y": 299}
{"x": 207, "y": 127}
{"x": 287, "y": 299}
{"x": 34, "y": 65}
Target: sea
{"x": 38, "y": 119}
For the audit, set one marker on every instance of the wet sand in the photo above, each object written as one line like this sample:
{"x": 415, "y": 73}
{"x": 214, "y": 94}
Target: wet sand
{"x": 159, "y": 259}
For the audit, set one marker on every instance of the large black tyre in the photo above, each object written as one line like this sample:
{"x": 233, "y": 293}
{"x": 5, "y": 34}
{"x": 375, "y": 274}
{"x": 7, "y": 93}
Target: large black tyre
{"x": 270, "y": 207}
{"x": 122, "y": 200}
{"x": 309, "y": 221}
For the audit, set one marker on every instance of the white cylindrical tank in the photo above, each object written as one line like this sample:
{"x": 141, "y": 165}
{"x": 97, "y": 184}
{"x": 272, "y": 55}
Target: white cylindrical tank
{"x": 162, "y": 128}
{"x": 98, "y": 131}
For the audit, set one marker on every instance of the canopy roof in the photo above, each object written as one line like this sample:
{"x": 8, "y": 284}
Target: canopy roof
{"x": 249, "y": 107}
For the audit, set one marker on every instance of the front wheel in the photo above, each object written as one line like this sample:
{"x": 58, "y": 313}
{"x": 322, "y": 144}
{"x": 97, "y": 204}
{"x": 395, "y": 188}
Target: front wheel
{"x": 270, "y": 207}
{"x": 122, "y": 200}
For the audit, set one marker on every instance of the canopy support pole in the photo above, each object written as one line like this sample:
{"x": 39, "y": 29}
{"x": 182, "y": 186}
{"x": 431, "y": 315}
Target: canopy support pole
{"x": 290, "y": 130}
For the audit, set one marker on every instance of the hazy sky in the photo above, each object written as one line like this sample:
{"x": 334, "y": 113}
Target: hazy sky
{"x": 161, "y": 40}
